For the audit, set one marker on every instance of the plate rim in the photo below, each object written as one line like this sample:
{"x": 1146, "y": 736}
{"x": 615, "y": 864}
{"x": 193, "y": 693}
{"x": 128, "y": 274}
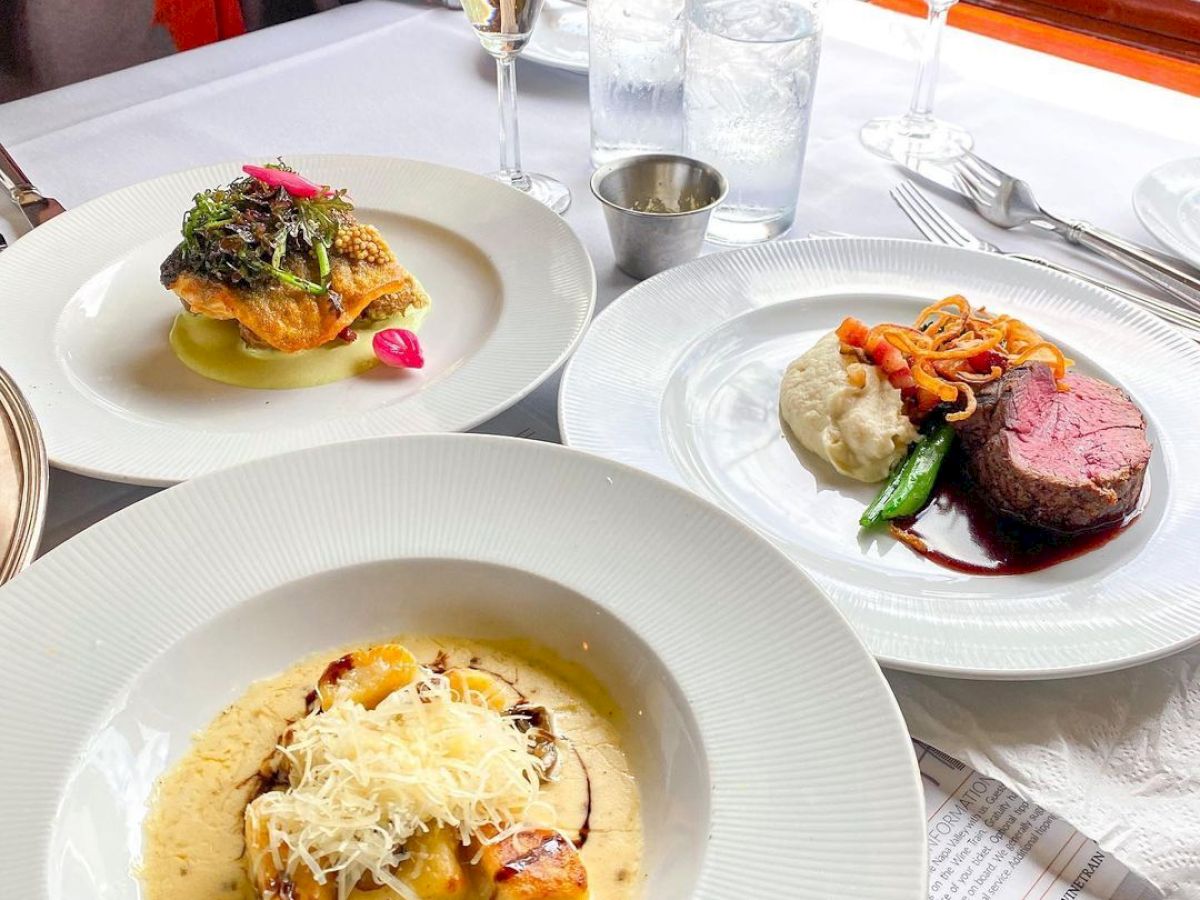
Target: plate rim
{"x": 484, "y": 414}
{"x": 778, "y": 251}
{"x": 1152, "y": 222}
{"x": 532, "y": 54}
{"x": 552, "y": 62}
{"x": 48, "y": 571}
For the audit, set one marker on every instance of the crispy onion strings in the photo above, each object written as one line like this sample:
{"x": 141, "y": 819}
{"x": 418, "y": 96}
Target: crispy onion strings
{"x": 928, "y": 379}
{"x": 951, "y": 349}
{"x": 1046, "y": 352}
{"x": 967, "y": 411}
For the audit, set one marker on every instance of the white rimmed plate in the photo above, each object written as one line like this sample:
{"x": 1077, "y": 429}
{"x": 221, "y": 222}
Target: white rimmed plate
{"x": 560, "y": 38}
{"x": 86, "y": 323}
{"x": 771, "y": 756}
{"x": 1168, "y": 203}
{"x": 680, "y": 376}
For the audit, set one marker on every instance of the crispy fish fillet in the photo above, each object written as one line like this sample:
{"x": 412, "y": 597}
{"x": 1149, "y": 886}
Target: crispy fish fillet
{"x": 287, "y": 318}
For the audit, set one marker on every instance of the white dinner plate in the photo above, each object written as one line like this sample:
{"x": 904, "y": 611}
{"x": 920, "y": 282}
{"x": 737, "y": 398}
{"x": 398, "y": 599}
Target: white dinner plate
{"x": 680, "y": 377}
{"x": 86, "y": 323}
{"x": 771, "y": 757}
{"x": 1168, "y": 203}
{"x": 560, "y": 38}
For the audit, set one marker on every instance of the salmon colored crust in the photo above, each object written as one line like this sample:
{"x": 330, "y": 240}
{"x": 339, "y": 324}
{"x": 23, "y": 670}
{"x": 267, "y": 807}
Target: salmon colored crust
{"x": 289, "y": 319}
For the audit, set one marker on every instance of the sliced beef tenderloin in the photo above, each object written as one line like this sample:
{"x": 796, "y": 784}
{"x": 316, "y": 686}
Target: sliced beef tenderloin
{"x": 1068, "y": 460}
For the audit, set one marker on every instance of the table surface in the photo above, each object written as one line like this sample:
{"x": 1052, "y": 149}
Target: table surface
{"x": 1083, "y": 137}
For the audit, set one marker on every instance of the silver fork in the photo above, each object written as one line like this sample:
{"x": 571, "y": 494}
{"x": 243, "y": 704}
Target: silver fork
{"x": 1008, "y": 202}
{"x": 940, "y": 228}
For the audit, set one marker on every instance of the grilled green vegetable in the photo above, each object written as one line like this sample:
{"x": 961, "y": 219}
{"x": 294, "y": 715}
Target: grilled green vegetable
{"x": 873, "y": 514}
{"x": 909, "y": 487}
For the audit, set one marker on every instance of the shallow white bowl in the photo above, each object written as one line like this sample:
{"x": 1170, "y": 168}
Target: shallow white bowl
{"x": 86, "y": 323}
{"x": 772, "y": 758}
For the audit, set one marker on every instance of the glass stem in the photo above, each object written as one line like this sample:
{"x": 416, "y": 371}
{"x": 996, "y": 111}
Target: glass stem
{"x": 921, "y": 109}
{"x": 510, "y": 137}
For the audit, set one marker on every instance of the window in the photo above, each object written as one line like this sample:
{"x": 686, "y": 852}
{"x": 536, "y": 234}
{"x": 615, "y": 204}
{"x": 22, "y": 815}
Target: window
{"x": 1168, "y": 27}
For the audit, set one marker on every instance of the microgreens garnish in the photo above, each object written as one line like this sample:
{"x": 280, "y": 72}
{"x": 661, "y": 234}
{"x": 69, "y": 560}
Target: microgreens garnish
{"x": 243, "y": 234}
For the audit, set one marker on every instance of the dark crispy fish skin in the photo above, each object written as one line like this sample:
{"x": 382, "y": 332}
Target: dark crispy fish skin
{"x": 172, "y": 267}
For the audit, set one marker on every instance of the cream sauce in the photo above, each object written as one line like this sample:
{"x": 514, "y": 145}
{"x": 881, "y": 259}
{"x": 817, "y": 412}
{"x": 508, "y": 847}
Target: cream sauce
{"x": 214, "y": 348}
{"x": 193, "y": 842}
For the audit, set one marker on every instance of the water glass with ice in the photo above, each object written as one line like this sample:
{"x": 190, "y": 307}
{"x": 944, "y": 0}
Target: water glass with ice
{"x": 635, "y": 76}
{"x": 751, "y": 68}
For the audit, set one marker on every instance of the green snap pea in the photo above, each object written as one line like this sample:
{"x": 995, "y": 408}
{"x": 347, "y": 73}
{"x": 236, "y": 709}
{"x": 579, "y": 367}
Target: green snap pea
{"x": 909, "y": 487}
{"x": 873, "y": 514}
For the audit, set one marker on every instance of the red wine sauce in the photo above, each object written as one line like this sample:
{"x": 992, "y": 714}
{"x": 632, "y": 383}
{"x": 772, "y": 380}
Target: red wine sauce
{"x": 958, "y": 530}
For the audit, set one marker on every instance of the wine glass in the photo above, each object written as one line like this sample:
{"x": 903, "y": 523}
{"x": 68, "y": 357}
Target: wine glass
{"x": 504, "y": 28}
{"x": 917, "y": 135}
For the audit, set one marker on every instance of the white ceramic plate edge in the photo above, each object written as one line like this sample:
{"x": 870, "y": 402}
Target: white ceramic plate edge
{"x": 902, "y": 875}
{"x": 118, "y": 473}
{"x": 754, "y": 257}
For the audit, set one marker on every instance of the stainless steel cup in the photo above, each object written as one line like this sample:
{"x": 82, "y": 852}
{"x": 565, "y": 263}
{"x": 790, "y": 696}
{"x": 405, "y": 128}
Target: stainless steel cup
{"x": 657, "y": 207}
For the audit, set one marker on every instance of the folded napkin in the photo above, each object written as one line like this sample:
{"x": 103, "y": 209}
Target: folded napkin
{"x": 1117, "y": 755}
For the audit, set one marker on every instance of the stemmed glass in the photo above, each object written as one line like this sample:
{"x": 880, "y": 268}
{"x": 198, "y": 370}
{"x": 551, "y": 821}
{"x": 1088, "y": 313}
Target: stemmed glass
{"x": 504, "y": 27}
{"x": 917, "y": 135}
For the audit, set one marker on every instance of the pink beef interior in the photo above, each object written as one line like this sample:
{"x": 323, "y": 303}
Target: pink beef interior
{"x": 1091, "y": 433}
{"x": 1067, "y": 460}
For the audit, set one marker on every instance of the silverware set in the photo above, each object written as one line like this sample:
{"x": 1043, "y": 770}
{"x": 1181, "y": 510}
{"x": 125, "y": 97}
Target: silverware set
{"x": 940, "y": 228}
{"x": 1008, "y": 202}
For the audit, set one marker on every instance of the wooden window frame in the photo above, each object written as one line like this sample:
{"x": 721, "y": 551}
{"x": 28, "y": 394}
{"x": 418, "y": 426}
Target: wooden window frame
{"x": 1016, "y": 27}
{"x": 1167, "y": 27}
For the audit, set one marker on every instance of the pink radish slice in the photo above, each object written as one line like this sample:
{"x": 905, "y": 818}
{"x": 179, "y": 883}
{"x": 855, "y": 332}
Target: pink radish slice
{"x": 399, "y": 348}
{"x": 289, "y": 181}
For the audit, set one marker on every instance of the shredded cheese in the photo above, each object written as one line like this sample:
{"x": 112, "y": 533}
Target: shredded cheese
{"x": 364, "y": 781}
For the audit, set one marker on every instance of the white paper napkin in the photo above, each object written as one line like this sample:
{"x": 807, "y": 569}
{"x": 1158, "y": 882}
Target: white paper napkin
{"x": 1118, "y": 755}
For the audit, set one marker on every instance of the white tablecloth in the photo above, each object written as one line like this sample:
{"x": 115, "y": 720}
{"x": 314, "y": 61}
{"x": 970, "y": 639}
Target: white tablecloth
{"x": 1119, "y": 755}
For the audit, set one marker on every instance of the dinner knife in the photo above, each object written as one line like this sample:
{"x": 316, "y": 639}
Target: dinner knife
{"x": 37, "y": 209}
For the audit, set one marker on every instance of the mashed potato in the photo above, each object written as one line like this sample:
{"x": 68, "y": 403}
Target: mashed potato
{"x": 845, "y": 411}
